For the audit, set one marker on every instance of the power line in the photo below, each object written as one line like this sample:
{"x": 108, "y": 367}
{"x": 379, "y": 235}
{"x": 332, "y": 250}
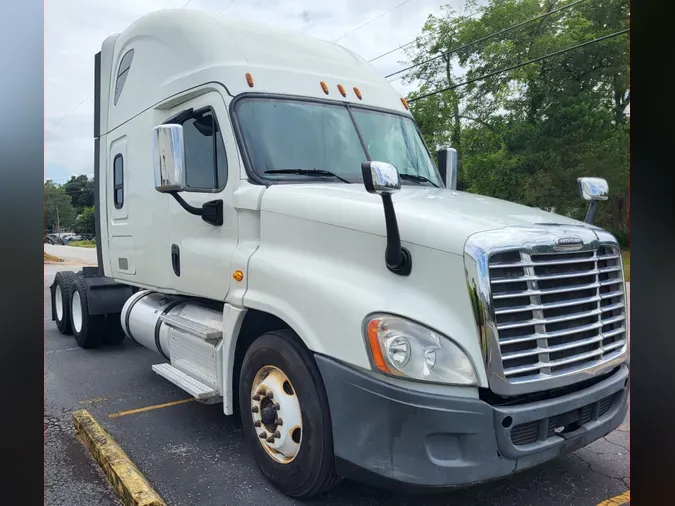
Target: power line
{"x": 483, "y": 39}
{"x": 416, "y": 39}
{"x": 71, "y": 112}
{"x": 513, "y": 67}
{"x": 226, "y": 7}
{"x": 371, "y": 20}
{"x": 396, "y": 49}
{"x": 69, "y": 177}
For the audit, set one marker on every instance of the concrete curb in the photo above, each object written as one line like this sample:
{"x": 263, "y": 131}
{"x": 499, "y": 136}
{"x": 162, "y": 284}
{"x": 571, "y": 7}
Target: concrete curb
{"x": 125, "y": 478}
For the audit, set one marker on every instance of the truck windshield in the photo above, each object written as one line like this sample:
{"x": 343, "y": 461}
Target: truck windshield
{"x": 283, "y": 134}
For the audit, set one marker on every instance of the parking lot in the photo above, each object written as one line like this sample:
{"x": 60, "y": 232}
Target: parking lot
{"x": 194, "y": 455}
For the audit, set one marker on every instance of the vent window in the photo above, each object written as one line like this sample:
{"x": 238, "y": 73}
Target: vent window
{"x": 122, "y": 73}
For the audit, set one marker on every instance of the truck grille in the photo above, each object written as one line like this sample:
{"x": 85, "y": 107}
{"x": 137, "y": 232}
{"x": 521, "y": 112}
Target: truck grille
{"x": 557, "y": 312}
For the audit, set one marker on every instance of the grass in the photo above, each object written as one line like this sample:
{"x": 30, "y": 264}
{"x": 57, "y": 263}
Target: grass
{"x": 626, "y": 263}
{"x": 83, "y": 244}
{"x": 52, "y": 258}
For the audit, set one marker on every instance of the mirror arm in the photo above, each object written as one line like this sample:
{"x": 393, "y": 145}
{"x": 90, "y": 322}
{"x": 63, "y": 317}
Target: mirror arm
{"x": 590, "y": 214}
{"x": 397, "y": 258}
{"x": 211, "y": 212}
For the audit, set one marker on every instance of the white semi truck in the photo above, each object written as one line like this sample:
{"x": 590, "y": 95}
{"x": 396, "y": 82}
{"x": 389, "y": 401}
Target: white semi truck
{"x": 270, "y": 222}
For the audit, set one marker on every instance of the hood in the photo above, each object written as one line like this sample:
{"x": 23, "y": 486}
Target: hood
{"x": 433, "y": 217}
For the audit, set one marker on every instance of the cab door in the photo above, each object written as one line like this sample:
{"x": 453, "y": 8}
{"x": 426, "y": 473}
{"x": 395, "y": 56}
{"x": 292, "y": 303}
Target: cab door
{"x": 200, "y": 253}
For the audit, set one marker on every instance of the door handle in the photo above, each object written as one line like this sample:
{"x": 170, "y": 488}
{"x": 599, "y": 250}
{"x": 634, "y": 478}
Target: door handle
{"x": 175, "y": 259}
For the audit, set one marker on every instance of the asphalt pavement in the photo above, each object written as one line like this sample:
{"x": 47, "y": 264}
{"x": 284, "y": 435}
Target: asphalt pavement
{"x": 194, "y": 455}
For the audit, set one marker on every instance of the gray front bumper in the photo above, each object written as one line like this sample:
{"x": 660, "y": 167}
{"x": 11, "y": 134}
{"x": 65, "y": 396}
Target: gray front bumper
{"x": 388, "y": 435}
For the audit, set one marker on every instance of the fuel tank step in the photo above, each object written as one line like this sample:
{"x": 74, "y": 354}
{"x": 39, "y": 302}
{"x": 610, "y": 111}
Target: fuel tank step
{"x": 192, "y": 386}
{"x": 191, "y": 327}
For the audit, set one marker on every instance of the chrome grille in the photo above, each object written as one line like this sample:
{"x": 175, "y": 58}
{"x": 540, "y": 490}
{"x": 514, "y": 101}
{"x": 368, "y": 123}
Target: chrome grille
{"x": 549, "y": 314}
{"x": 557, "y": 311}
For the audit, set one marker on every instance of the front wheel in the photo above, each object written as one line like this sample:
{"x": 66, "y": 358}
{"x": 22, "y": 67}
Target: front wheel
{"x": 285, "y": 417}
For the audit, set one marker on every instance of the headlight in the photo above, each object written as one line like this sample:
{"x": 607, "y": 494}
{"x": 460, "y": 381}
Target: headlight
{"x": 404, "y": 348}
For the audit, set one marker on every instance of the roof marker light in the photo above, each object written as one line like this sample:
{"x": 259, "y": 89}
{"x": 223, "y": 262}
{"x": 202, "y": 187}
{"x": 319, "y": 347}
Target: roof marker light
{"x": 404, "y": 102}
{"x": 249, "y": 79}
{"x": 358, "y": 93}
{"x": 324, "y": 87}
{"x": 342, "y": 90}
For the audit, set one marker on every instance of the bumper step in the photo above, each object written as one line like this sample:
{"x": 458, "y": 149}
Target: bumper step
{"x": 192, "y": 386}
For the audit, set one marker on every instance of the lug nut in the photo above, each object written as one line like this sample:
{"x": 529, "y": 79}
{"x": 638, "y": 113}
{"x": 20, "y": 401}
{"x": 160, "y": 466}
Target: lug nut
{"x": 254, "y": 409}
{"x": 256, "y": 397}
{"x": 278, "y": 421}
{"x": 277, "y": 434}
{"x": 270, "y": 439}
{"x": 262, "y": 391}
{"x": 256, "y": 423}
{"x": 263, "y": 435}
{"x": 270, "y": 394}
{"x": 276, "y": 406}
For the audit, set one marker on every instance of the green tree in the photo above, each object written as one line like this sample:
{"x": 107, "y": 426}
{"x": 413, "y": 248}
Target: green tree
{"x": 85, "y": 223}
{"x": 526, "y": 134}
{"x": 81, "y": 190}
{"x": 58, "y": 208}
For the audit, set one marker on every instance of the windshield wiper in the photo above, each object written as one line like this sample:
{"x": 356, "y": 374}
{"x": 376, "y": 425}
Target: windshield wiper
{"x": 307, "y": 172}
{"x": 417, "y": 179}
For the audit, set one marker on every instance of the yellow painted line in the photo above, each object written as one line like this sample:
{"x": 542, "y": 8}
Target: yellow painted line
{"x": 125, "y": 478}
{"x": 618, "y": 500}
{"x": 148, "y": 408}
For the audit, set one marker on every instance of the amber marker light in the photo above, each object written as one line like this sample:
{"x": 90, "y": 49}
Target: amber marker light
{"x": 405, "y": 103}
{"x": 249, "y": 79}
{"x": 238, "y": 275}
{"x": 358, "y": 93}
{"x": 375, "y": 349}
{"x": 324, "y": 87}
{"x": 342, "y": 90}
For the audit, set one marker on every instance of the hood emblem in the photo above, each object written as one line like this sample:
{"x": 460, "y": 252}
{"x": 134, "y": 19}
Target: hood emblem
{"x": 569, "y": 243}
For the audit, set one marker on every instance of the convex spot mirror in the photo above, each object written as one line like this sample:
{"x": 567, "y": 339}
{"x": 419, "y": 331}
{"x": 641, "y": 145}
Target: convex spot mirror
{"x": 169, "y": 158}
{"x": 383, "y": 179}
{"x": 380, "y": 177}
{"x": 593, "y": 188}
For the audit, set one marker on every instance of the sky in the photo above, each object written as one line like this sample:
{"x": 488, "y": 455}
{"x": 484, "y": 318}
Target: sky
{"x": 75, "y": 29}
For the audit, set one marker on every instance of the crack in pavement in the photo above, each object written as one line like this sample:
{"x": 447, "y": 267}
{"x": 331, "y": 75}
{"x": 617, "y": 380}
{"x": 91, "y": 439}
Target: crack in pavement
{"x": 616, "y": 444}
{"x": 593, "y": 470}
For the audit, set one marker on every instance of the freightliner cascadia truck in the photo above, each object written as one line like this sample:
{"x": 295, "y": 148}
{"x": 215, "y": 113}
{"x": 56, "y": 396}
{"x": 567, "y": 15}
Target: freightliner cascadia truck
{"x": 271, "y": 223}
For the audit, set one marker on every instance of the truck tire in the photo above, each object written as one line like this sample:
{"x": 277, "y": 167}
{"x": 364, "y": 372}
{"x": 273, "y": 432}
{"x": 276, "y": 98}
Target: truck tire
{"x": 88, "y": 329}
{"x": 285, "y": 416}
{"x": 113, "y": 329}
{"x": 63, "y": 282}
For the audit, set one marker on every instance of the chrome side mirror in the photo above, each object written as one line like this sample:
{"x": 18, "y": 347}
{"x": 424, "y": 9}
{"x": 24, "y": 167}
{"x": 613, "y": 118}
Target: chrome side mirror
{"x": 169, "y": 158}
{"x": 593, "y": 190}
{"x": 381, "y": 178}
{"x": 170, "y": 176}
{"x": 447, "y": 165}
